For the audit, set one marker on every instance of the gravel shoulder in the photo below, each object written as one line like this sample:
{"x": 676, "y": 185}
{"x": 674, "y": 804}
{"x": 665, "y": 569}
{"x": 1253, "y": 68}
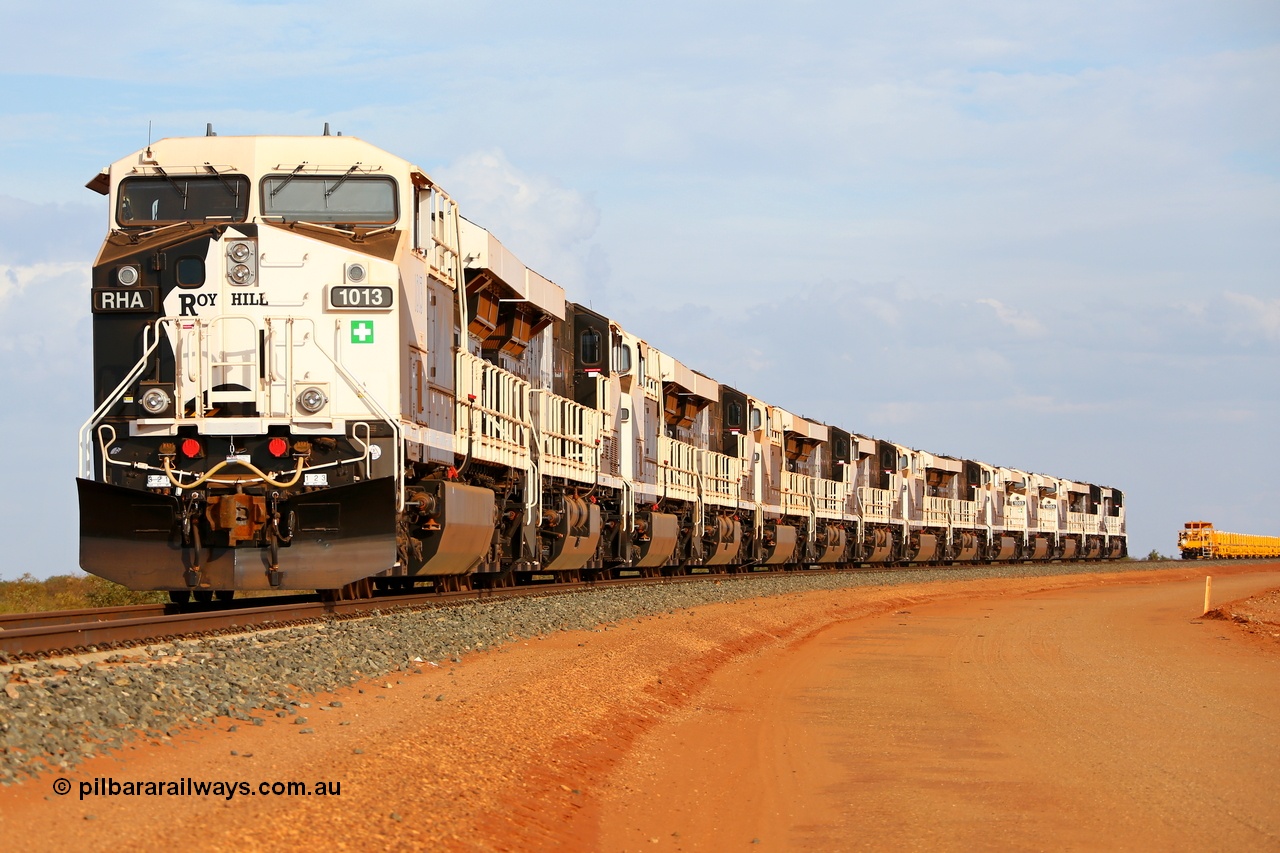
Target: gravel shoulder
{"x": 1257, "y": 617}
{"x": 497, "y": 726}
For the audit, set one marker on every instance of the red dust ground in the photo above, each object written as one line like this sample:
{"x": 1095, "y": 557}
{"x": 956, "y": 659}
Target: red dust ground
{"x": 1072, "y": 712}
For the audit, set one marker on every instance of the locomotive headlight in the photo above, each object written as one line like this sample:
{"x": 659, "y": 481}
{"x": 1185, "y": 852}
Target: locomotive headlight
{"x": 312, "y": 400}
{"x": 356, "y": 273}
{"x": 156, "y": 401}
{"x": 242, "y": 262}
{"x": 127, "y": 276}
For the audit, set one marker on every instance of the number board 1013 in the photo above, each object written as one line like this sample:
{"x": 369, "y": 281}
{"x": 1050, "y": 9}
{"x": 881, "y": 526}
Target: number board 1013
{"x": 364, "y": 297}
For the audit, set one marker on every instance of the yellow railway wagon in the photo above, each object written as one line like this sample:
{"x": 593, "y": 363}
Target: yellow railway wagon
{"x": 1198, "y": 540}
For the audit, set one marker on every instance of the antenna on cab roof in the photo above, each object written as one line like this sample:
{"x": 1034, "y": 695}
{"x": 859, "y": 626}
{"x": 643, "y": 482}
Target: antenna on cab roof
{"x": 326, "y": 128}
{"x": 208, "y": 129}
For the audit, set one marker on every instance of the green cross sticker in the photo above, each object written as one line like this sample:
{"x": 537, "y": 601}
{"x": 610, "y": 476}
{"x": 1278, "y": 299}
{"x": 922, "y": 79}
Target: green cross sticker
{"x": 361, "y": 331}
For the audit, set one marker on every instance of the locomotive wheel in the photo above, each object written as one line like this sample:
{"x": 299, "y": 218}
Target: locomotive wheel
{"x": 225, "y": 595}
{"x": 202, "y": 596}
{"x": 362, "y": 588}
{"x": 452, "y": 583}
{"x": 179, "y": 596}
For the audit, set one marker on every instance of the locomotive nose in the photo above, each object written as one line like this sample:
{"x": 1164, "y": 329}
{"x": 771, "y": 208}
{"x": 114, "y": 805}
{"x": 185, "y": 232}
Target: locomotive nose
{"x": 144, "y": 540}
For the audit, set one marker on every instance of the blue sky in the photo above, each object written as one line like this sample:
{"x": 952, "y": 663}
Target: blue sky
{"x": 1041, "y": 237}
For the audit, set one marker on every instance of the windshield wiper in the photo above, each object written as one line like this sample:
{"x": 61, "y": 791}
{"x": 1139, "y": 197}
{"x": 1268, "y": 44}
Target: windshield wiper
{"x": 177, "y": 187}
{"x": 293, "y": 223}
{"x": 226, "y": 185}
{"x": 333, "y": 189}
{"x": 289, "y": 177}
{"x": 137, "y": 236}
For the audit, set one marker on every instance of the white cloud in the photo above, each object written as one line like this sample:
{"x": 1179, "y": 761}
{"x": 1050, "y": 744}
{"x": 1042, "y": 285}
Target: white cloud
{"x": 1262, "y": 315}
{"x": 1022, "y": 323}
{"x": 547, "y": 225}
{"x": 44, "y": 321}
{"x": 14, "y": 280}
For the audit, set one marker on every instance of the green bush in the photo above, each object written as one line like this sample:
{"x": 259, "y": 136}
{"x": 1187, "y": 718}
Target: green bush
{"x": 66, "y": 592}
{"x": 100, "y": 592}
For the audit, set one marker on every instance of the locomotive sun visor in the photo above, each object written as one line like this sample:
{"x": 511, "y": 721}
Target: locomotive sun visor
{"x": 807, "y": 429}
{"x": 944, "y": 463}
{"x": 689, "y": 381}
{"x": 100, "y": 183}
{"x": 483, "y": 253}
{"x": 866, "y": 446}
{"x": 802, "y": 436}
{"x": 685, "y": 392}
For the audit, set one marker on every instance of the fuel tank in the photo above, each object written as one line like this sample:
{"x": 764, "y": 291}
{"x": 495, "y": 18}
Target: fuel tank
{"x": 662, "y": 531}
{"x": 784, "y": 545}
{"x": 724, "y": 541}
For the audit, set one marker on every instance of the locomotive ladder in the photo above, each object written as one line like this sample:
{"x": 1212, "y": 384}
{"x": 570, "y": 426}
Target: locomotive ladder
{"x": 250, "y": 364}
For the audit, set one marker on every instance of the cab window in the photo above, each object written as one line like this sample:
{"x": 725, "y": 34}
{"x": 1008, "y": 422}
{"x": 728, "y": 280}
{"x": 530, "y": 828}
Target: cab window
{"x": 621, "y": 357}
{"x": 158, "y": 200}
{"x": 350, "y": 199}
{"x": 589, "y": 347}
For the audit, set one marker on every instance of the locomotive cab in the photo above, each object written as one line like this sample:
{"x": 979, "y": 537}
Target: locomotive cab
{"x": 246, "y": 304}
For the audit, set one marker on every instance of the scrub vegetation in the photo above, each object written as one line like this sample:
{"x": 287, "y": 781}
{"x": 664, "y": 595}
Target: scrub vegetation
{"x": 68, "y": 592}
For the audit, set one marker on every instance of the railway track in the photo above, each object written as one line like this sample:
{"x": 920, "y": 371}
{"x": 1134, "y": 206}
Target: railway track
{"x": 31, "y": 636}
{"x": 66, "y": 632}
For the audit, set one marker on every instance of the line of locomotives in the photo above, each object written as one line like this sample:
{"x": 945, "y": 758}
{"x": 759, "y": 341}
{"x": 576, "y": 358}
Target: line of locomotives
{"x": 311, "y": 373}
{"x": 1198, "y": 540}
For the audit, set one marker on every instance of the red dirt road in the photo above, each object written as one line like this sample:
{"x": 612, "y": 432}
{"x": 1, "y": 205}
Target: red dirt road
{"x": 1103, "y": 718}
{"x": 1071, "y": 712}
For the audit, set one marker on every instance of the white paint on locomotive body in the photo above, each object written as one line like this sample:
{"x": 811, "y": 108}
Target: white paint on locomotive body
{"x": 220, "y": 329}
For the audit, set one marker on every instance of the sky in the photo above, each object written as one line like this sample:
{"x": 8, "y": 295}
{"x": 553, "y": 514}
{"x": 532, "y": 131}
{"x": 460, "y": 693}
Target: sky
{"x": 1043, "y": 236}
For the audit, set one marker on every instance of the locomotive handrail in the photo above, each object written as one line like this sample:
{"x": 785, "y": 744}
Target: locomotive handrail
{"x": 502, "y": 400}
{"x": 569, "y": 436}
{"x": 204, "y": 478}
{"x": 86, "y": 444}
{"x": 201, "y": 372}
{"x": 533, "y": 487}
{"x": 397, "y": 432}
{"x": 678, "y": 467}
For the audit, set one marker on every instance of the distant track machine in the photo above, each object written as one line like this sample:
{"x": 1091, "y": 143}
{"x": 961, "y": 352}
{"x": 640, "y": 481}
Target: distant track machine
{"x": 1199, "y": 541}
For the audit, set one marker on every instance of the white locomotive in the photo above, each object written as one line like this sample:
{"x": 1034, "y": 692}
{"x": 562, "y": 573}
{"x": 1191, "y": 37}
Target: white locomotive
{"x": 311, "y": 373}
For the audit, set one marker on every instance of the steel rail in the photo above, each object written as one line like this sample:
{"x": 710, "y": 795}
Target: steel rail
{"x": 14, "y": 621}
{"x": 88, "y": 636}
{"x": 30, "y": 636}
